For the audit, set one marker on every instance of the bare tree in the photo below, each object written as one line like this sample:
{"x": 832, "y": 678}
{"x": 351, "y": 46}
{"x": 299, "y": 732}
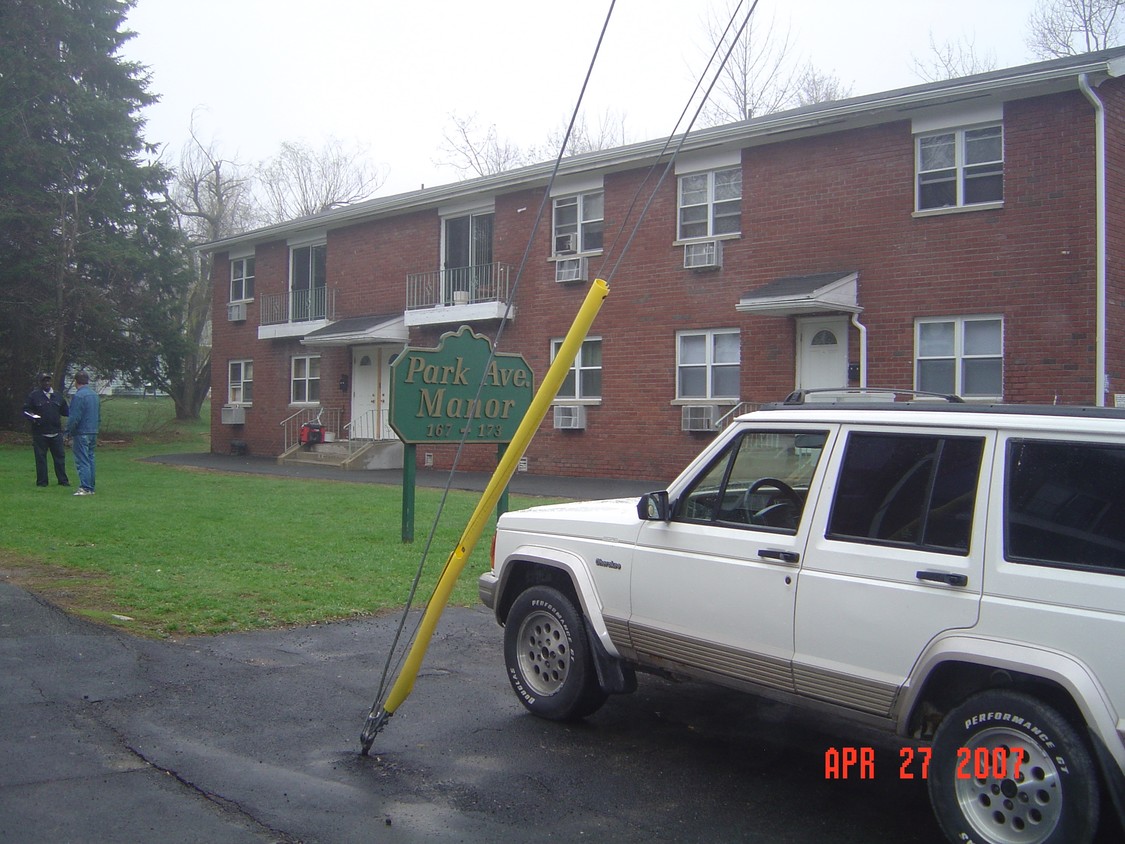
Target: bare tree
{"x": 951, "y": 60}
{"x": 813, "y": 86}
{"x": 300, "y": 181}
{"x": 212, "y": 198}
{"x": 213, "y": 195}
{"x": 1060, "y": 28}
{"x": 607, "y": 133}
{"x": 763, "y": 73}
{"x": 759, "y": 76}
{"x": 473, "y": 151}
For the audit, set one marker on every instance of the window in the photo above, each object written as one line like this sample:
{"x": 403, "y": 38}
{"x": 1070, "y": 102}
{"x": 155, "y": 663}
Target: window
{"x": 960, "y": 168}
{"x": 241, "y": 279}
{"x": 240, "y": 381}
{"x": 308, "y": 283}
{"x": 584, "y": 380}
{"x": 1064, "y": 505}
{"x": 761, "y": 480}
{"x": 468, "y": 268}
{"x": 579, "y": 223}
{"x": 963, "y": 356}
{"x": 708, "y": 365}
{"x": 711, "y": 204}
{"x": 907, "y": 490}
{"x": 306, "y": 380}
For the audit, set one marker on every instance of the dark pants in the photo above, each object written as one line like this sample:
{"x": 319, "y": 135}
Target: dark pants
{"x": 41, "y": 445}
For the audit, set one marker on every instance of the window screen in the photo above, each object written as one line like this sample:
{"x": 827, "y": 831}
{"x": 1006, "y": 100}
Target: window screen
{"x": 911, "y": 490}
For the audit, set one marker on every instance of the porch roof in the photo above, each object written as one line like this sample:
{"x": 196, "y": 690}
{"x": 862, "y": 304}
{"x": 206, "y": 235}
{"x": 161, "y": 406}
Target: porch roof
{"x": 834, "y": 292}
{"x": 358, "y": 331}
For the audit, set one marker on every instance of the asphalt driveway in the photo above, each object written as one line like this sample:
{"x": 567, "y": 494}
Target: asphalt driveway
{"x": 254, "y": 737}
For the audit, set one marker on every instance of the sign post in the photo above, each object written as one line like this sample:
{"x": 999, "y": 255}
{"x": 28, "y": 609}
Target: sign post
{"x": 457, "y": 392}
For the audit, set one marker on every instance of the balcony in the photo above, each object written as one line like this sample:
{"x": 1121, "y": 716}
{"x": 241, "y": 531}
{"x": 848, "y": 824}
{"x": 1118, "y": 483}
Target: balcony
{"x": 296, "y": 312}
{"x": 463, "y": 294}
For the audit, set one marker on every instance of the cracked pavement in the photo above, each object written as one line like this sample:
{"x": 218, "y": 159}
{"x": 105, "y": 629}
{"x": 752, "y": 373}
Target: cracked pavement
{"x": 254, "y": 737}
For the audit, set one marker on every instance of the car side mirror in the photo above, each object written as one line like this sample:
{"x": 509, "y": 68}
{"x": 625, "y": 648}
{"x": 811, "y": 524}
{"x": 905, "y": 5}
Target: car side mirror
{"x": 653, "y": 507}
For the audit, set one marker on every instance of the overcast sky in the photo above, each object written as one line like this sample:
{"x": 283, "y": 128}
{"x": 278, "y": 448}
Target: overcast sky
{"x": 388, "y": 74}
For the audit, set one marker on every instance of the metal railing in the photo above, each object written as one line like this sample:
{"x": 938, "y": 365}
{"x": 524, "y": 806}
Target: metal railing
{"x": 458, "y": 286}
{"x": 328, "y": 417}
{"x": 298, "y": 306}
{"x": 737, "y": 410}
{"x": 372, "y": 426}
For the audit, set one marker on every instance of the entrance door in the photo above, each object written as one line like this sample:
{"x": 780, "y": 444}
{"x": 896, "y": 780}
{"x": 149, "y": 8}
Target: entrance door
{"x": 371, "y": 382}
{"x": 822, "y": 353}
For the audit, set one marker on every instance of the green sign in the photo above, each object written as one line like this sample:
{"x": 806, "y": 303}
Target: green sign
{"x": 459, "y": 390}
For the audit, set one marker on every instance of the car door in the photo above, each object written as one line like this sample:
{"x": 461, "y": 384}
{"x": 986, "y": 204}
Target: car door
{"x": 895, "y": 558}
{"x": 712, "y": 589}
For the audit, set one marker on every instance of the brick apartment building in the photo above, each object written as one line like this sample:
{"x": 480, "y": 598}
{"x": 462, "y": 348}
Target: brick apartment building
{"x": 965, "y": 236}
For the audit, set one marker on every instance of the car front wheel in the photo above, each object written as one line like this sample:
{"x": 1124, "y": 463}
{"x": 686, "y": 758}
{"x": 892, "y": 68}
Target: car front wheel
{"x": 1009, "y": 769}
{"x": 548, "y": 656}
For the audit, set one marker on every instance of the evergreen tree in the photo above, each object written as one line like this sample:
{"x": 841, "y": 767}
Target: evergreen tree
{"x": 91, "y": 261}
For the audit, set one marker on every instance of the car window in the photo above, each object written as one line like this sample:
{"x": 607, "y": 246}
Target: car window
{"x": 760, "y": 480}
{"x": 1065, "y": 504}
{"x": 909, "y": 490}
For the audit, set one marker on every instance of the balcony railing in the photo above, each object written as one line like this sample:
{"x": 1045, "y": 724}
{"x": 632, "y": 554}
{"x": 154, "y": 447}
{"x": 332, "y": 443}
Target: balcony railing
{"x": 458, "y": 286}
{"x": 298, "y": 306}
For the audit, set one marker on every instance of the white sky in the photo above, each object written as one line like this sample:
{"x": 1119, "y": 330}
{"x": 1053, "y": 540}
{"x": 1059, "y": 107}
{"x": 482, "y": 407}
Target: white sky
{"x": 387, "y": 74}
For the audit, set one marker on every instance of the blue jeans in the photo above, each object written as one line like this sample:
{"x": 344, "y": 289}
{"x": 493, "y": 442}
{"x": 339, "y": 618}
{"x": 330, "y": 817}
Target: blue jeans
{"x": 84, "y": 445}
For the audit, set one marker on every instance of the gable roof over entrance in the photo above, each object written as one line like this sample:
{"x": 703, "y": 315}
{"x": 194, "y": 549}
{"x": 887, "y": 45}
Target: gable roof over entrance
{"x": 805, "y": 294}
{"x": 359, "y": 331}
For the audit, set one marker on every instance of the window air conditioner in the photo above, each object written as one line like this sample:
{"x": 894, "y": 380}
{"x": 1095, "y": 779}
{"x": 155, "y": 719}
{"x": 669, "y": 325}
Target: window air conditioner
{"x": 566, "y": 243}
{"x": 570, "y": 417}
{"x": 233, "y": 415}
{"x": 698, "y": 417}
{"x": 707, "y": 255}
{"x": 572, "y": 269}
{"x": 236, "y": 312}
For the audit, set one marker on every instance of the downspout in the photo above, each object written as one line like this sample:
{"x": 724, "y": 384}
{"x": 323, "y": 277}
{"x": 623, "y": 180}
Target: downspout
{"x": 1099, "y": 222}
{"x": 862, "y": 329}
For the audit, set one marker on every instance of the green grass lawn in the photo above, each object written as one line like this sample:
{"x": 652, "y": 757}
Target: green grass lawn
{"x": 165, "y": 551}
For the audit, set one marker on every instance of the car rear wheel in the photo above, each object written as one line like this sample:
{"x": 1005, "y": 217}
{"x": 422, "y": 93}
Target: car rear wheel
{"x": 1009, "y": 769}
{"x": 548, "y": 656}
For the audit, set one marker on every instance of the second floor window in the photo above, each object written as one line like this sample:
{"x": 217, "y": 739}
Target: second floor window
{"x": 306, "y": 380}
{"x": 960, "y": 168}
{"x": 308, "y": 279}
{"x": 240, "y": 389}
{"x": 710, "y": 204}
{"x": 962, "y": 355}
{"x": 584, "y": 381}
{"x": 579, "y": 223}
{"x": 708, "y": 365}
{"x": 241, "y": 279}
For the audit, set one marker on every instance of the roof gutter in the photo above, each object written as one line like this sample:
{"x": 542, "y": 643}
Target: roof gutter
{"x": 1100, "y": 246}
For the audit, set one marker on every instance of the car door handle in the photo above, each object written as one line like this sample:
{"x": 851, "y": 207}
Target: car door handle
{"x": 784, "y": 556}
{"x": 945, "y": 577}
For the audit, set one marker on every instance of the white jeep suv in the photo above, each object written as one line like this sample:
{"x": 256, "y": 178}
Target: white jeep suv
{"x": 952, "y": 572}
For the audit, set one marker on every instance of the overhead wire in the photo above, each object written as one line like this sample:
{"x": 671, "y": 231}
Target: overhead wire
{"x": 394, "y": 648}
{"x": 492, "y": 354}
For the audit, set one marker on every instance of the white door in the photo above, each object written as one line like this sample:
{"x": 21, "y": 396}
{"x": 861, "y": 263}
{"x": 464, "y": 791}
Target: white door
{"x": 370, "y": 392}
{"x": 822, "y": 353}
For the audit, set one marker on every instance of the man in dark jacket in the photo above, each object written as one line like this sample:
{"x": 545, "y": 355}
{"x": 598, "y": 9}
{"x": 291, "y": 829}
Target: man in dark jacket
{"x": 45, "y": 408}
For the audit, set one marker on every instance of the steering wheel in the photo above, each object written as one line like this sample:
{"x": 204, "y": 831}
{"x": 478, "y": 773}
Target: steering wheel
{"x": 790, "y": 500}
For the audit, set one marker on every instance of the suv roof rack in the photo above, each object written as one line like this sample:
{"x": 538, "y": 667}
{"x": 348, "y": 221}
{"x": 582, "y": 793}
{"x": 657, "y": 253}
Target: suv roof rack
{"x": 868, "y": 394}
